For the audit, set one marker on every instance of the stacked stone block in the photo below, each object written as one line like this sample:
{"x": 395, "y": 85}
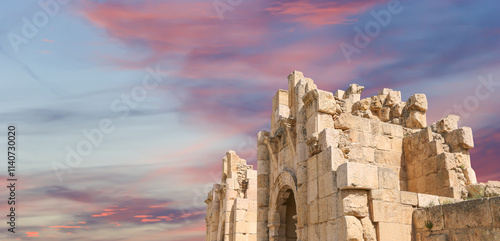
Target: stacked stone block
{"x": 335, "y": 166}
{"x": 232, "y": 204}
{"x": 438, "y": 160}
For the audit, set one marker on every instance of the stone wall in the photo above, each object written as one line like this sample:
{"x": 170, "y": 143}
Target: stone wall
{"x": 475, "y": 220}
{"x": 232, "y": 204}
{"x": 339, "y": 167}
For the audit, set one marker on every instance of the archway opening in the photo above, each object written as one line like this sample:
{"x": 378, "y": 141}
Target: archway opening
{"x": 288, "y": 217}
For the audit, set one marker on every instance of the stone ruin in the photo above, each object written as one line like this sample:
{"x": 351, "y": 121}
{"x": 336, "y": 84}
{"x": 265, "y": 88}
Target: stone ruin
{"x": 338, "y": 167}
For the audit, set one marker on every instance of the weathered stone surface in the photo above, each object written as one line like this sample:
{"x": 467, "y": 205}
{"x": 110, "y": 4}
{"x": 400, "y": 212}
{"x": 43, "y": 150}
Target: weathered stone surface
{"x": 357, "y": 175}
{"x": 448, "y": 124}
{"x": 338, "y": 167}
{"x": 492, "y": 189}
{"x": 354, "y": 228}
{"x": 394, "y": 231}
{"x": 387, "y": 178}
{"x": 475, "y": 213}
{"x": 409, "y": 198}
{"x": 393, "y": 98}
{"x": 369, "y": 233}
{"x": 355, "y": 203}
{"x": 417, "y": 102}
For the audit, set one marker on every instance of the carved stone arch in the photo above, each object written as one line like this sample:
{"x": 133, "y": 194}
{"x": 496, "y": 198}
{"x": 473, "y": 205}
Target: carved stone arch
{"x": 282, "y": 195}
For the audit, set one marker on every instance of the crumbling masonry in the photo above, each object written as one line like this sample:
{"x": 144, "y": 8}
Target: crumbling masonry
{"x": 338, "y": 167}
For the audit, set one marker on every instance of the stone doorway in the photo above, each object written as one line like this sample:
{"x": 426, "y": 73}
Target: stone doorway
{"x": 288, "y": 217}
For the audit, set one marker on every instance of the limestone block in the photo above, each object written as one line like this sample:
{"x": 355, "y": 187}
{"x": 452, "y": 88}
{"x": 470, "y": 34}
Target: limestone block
{"x": 404, "y": 214}
{"x": 241, "y": 227}
{"x": 302, "y": 194}
{"x": 252, "y": 194}
{"x": 326, "y": 102}
{"x": 388, "y": 157}
{"x": 376, "y": 127}
{"x": 302, "y": 216}
{"x": 419, "y": 218}
{"x": 328, "y": 137}
{"x": 397, "y": 110}
{"x": 339, "y": 94}
{"x": 251, "y": 174}
{"x": 301, "y": 173}
{"x": 333, "y": 207}
{"x": 375, "y": 103}
{"x": 326, "y": 184}
{"x": 446, "y": 161}
{"x": 461, "y": 137}
{"x": 394, "y": 231}
{"x": 369, "y": 233}
{"x": 448, "y": 124}
{"x": 263, "y": 166}
{"x": 354, "y": 228}
{"x": 312, "y": 168}
{"x": 386, "y": 195}
{"x": 251, "y": 216}
{"x": 387, "y": 178}
{"x": 468, "y": 214}
{"x": 262, "y": 197}
{"x": 313, "y": 213}
{"x": 429, "y": 165}
{"x": 384, "y": 211}
{"x": 495, "y": 209}
{"x": 492, "y": 189}
{"x": 426, "y": 200}
{"x": 309, "y": 85}
{"x": 323, "y": 207}
{"x": 416, "y": 119}
{"x": 263, "y": 181}
{"x": 280, "y": 98}
{"x": 393, "y": 98}
{"x": 417, "y": 102}
{"x": 409, "y": 198}
{"x": 240, "y": 215}
{"x": 357, "y": 176}
{"x": 353, "y": 90}
{"x": 241, "y": 204}
{"x": 355, "y": 203}
{"x": 330, "y": 159}
{"x": 346, "y": 121}
{"x": 476, "y": 190}
{"x": 384, "y": 91}
{"x": 252, "y": 236}
{"x": 317, "y": 122}
{"x": 397, "y": 131}
{"x": 368, "y": 155}
{"x": 397, "y": 144}
{"x": 312, "y": 191}
{"x": 382, "y": 142}
{"x": 362, "y": 105}
{"x": 385, "y": 114}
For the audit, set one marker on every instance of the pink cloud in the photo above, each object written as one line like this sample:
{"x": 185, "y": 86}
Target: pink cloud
{"x": 150, "y": 220}
{"x": 320, "y": 13}
{"x": 32, "y": 234}
{"x": 59, "y": 227}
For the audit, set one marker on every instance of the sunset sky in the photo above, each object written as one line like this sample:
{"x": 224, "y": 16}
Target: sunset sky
{"x": 176, "y": 83}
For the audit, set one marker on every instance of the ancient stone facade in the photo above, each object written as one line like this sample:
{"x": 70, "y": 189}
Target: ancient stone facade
{"x": 338, "y": 167}
{"x": 232, "y": 204}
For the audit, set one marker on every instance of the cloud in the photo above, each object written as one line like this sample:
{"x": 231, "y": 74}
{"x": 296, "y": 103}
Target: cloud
{"x": 320, "y": 12}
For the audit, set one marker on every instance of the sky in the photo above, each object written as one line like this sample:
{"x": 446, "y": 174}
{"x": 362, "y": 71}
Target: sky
{"x": 124, "y": 109}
